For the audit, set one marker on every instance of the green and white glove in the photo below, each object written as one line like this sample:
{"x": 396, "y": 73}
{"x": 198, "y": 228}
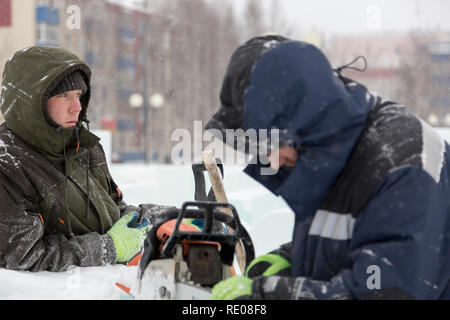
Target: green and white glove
{"x": 129, "y": 240}
{"x": 268, "y": 265}
{"x": 232, "y": 288}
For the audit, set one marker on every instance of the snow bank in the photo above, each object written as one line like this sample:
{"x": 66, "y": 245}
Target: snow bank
{"x": 90, "y": 283}
{"x": 260, "y": 211}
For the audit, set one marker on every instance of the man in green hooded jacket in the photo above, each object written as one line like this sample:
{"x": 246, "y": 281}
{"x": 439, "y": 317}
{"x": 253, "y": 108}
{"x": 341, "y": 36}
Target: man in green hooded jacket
{"x": 59, "y": 205}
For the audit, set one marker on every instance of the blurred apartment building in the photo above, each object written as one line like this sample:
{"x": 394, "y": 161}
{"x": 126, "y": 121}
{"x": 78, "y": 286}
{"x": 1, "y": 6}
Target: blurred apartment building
{"x": 410, "y": 68}
{"x": 155, "y": 71}
{"x": 137, "y": 92}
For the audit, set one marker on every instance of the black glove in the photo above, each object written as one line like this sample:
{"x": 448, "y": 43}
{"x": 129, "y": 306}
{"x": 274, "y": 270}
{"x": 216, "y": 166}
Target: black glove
{"x": 276, "y": 262}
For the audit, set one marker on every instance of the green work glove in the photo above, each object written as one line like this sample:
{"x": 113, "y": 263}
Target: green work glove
{"x": 268, "y": 265}
{"x": 128, "y": 240}
{"x": 232, "y": 288}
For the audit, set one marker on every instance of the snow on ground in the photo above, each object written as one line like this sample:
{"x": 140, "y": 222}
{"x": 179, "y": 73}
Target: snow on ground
{"x": 92, "y": 283}
{"x": 261, "y": 212}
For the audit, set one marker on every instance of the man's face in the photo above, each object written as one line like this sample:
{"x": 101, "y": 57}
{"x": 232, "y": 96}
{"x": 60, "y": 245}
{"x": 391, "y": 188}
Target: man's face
{"x": 65, "y": 108}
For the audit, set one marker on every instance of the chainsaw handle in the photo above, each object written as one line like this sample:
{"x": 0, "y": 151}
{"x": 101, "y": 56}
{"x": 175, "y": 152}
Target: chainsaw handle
{"x": 199, "y": 178}
{"x": 208, "y": 217}
{"x": 227, "y": 240}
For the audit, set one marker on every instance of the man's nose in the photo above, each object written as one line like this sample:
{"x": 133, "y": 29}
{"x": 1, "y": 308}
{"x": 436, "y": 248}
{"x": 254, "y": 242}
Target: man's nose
{"x": 75, "y": 105}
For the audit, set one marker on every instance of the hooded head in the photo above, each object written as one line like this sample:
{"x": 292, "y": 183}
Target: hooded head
{"x": 236, "y": 81}
{"x": 73, "y": 81}
{"x": 30, "y": 78}
{"x": 64, "y": 106}
{"x": 289, "y": 87}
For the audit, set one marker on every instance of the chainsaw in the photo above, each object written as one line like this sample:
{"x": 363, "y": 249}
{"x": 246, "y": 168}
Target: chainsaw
{"x": 183, "y": 262}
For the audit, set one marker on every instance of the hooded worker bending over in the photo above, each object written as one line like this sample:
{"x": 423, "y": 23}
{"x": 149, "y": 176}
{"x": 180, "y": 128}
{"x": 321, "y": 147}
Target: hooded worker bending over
{"x": 368, "y": 181}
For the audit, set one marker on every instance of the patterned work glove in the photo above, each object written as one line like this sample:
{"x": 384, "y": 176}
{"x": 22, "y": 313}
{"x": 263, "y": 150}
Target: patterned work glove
{"x": 128, "y": 240}
{"x": 237, "y": 287}
{"x": 268, "y": 265}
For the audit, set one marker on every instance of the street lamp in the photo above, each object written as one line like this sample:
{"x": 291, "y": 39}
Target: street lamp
{"x": 156, "y": 100}
{"x": 447, "y": 119}
{"x": 136, "y": 100}
{"x": 433, "y": 119}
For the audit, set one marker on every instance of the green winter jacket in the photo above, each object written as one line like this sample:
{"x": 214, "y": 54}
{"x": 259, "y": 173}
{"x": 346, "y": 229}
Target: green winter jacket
{"x": 57, "y": 201}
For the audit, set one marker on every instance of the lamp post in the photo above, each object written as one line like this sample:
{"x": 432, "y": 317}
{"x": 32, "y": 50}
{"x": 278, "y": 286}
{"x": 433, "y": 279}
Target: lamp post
{"x": 142, "y": 62}
{"x": 156, "y": 100}
{"x": 136, "y": 101}
{"x": 433, "y": 119}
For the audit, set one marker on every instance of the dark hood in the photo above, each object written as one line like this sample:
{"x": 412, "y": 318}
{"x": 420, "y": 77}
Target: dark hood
{"x": 290, "y": 86}
{"x": 28, "y": 78}
{"x": 236, "y": 81}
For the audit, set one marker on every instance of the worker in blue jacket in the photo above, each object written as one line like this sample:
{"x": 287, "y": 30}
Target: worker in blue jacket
{"x": 368, "y": 181}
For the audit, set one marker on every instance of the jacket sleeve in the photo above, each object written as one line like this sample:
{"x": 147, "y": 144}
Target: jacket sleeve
{"x": 398, "y": 248}
{"x": 24, "y": 246}
{"x": 285, "y": 251}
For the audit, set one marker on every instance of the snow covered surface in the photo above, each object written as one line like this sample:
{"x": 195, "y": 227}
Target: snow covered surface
{"x": 75, "y": 284}
{"x": 265, "y": 216}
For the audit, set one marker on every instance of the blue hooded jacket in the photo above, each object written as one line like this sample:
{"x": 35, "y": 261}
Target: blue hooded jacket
{"x": 369, "y": 189}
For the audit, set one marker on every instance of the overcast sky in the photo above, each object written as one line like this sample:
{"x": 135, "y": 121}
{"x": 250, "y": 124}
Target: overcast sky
{"x": 355, "y": 16}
